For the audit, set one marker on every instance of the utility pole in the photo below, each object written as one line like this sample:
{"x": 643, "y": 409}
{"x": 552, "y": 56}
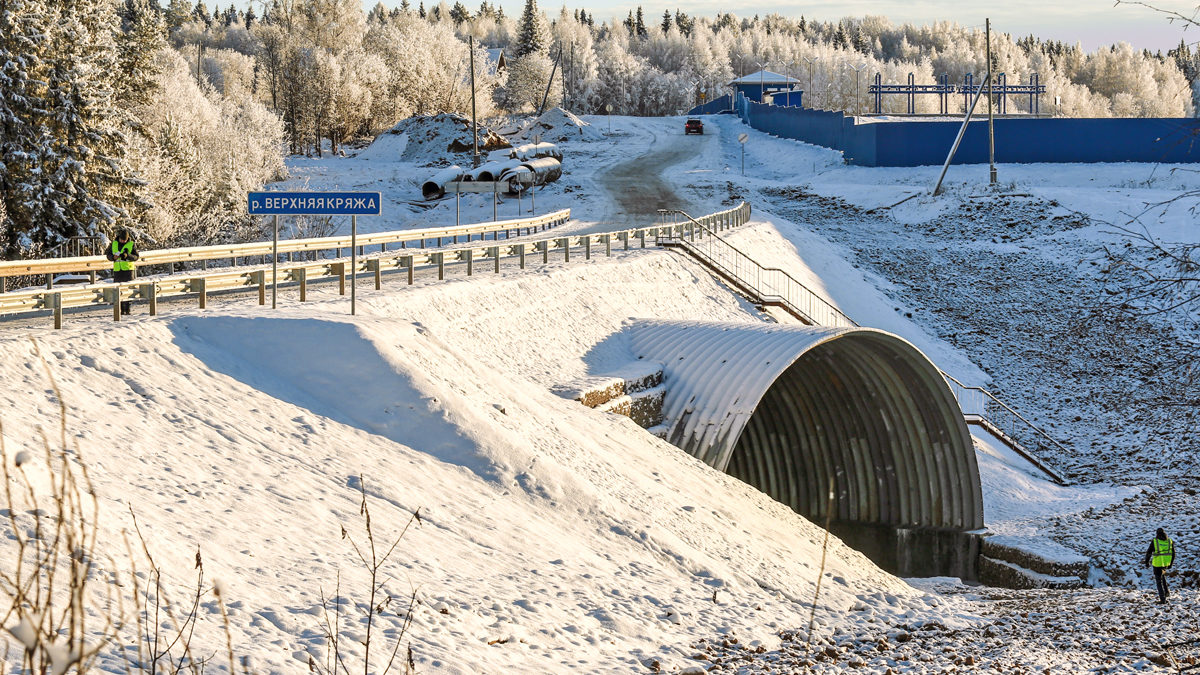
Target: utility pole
{"x": 474, "y": 122}
{"x": 991, "y": 119}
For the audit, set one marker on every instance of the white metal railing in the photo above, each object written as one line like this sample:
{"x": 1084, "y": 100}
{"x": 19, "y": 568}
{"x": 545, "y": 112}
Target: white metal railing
{"x": 485, "y": 254}
{"x": 232, "y": 252}
{"x": 771, "y": 286}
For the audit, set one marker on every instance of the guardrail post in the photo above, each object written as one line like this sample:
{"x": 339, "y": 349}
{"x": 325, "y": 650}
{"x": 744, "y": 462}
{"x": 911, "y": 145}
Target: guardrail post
{"x": 201, "y": 286}
{"x": 150, "y": 291}
{"x": 56, "y": 305}
{"x": 608, "y": 245}
{"x": 303, "y": 274}
{"x": 339, "y": 270}
{"x": 374, "y": 264}
{"x": 642, "y": 237}
{"x": 470, "y": 261}
{"x": 114, "y": 294}
{"x": 545, "y": 244}
{"x": 408, "y": 262}
{"x": 496, "y": 257}
{"x": 262, "y": 286}
{"x": 566, "y": 244}
{"x": 521, "y": 254}
{"x": 441, "y": 263}
{"x": 625, "y": 238}
{"x": 587, "y": 247}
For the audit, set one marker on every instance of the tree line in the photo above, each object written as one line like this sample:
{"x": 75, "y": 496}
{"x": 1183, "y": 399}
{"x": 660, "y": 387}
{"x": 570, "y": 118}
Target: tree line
{"x": 126, "y": 113}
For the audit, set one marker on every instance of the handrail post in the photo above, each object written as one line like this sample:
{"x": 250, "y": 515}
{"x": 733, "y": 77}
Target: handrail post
{"x": 408, "y": 262}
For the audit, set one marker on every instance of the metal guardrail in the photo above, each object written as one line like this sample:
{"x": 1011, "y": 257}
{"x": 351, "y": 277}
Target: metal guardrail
{"x": 200, "y": 285}
{"x": 774, "y": 287}
{"x": 203, "y": 254}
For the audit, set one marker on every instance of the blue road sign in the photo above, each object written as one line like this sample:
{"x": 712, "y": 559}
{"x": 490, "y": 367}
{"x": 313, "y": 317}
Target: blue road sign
{"x": 314, "y": 203}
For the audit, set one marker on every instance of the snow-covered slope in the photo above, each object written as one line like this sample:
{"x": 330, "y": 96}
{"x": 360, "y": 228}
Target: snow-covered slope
{"x": 553, "y": 537}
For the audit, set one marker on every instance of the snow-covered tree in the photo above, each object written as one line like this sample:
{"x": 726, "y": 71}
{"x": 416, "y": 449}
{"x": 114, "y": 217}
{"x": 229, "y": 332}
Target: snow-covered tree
{"x": 86, "y": 185}
{"x": 142, "y": 37}
{"x": 532, "y": 36}
{"x": 24, "y": 26}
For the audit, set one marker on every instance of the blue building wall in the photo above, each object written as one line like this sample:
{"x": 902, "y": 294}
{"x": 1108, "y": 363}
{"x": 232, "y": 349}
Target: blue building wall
{"x": 1059, "y": 140}
{"x": 794, "y": 98}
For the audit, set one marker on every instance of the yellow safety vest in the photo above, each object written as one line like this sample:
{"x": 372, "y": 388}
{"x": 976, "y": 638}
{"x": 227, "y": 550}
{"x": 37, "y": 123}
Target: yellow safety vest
{"x": 1164, "y": 552}
{"x": 118, "y": 250}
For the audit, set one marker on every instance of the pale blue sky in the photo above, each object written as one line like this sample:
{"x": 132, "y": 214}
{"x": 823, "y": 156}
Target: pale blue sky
{"x": 1092, "y": 22}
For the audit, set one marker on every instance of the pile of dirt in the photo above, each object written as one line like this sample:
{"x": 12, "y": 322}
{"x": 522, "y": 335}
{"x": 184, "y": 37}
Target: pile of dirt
{"x": 557, "y": 126}
{"x": 436, "y": 139}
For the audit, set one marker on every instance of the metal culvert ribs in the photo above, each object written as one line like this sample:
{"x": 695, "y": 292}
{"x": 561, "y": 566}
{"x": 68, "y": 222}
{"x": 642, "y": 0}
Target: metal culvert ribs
{"x": 792, "y": 409}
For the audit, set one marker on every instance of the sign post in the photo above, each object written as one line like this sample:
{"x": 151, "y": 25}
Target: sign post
{"x": 351, "y": 204}
{"x": 742, "y": 138}
{"x": 275, "y": 262}
{"x": 608, "y": 109}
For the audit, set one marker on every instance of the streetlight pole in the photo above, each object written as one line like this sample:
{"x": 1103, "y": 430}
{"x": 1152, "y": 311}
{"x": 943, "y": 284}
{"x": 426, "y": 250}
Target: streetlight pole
{"x": 810, "y": 60}
{"x": 762, "y": 93}
{"x": 857, "y": 99}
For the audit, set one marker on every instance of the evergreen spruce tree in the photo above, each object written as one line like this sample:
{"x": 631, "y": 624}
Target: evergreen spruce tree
{"x": 250, "y": 17}
{"x": 640, "y": 24}
{"x": 143, "y": 34}
{"x": 628, "y": 22}
{"x": 200, "y": 13}
{"x": 421, "y": 9}
{"x": 86, "y": 184}
{"x": 23, "y": 44}
{"x": 839, "y": 38}
{"x": 666, "y": 22}
{"x": 179, "y": 12}
{"x": 459, "y": 13}
{"x": 531, "y": 38}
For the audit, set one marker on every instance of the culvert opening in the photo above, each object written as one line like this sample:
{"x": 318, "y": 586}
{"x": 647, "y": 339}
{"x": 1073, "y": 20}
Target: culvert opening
{"x": 861, "y": 417}
{"x": 796, "y": 410}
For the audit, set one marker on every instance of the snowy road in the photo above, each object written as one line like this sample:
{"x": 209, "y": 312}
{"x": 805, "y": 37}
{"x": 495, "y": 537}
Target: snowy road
{"x": 636, "y": 184}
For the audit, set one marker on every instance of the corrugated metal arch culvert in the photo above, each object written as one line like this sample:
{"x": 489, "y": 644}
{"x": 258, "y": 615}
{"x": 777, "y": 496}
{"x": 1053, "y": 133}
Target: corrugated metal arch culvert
{"x": 796, "y": 410}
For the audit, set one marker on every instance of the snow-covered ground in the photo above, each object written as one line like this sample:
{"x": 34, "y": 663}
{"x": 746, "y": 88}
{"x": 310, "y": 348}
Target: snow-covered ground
{"x": 554, "y": 537}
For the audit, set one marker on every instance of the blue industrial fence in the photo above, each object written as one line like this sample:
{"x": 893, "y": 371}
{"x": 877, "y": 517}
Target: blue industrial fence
{"x": 1020, "y": 141}
{"x": 717, "y": 105}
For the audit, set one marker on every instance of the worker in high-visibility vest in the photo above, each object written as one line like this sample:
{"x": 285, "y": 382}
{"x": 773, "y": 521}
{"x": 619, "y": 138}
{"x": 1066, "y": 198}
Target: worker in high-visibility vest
{"x": 1160, "y": 554}
{"x": 123, "y": 253}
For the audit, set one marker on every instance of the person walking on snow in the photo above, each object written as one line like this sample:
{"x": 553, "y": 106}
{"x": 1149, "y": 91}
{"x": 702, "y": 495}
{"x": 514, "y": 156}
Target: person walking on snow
{"x": 1160, "y": 554}
{"x": 123, "y": 252}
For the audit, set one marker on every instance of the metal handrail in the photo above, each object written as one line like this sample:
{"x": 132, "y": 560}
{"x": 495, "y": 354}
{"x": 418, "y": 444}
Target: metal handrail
{"x": 259, "y": 248}
{"x": 1006, "y": 425}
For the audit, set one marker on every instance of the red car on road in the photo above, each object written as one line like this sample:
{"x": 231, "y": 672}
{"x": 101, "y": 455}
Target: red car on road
{"x": 693, "y": 126}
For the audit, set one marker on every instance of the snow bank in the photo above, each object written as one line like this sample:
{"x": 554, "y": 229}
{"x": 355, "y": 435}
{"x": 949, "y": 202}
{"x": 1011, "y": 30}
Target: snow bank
{"x": 558, "y": 126}
{"x": 554, "y": 537}
{"x": 441, "y": 137}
